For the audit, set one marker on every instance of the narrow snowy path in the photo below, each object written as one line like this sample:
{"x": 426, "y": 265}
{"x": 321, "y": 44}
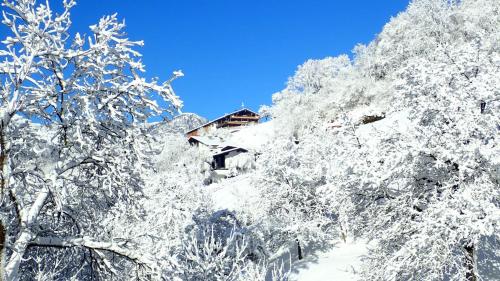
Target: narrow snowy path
{"x": 340, "y": 262}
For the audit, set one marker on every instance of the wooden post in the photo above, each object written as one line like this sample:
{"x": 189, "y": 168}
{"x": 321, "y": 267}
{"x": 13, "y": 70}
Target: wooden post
{"x": 483, "y": 106}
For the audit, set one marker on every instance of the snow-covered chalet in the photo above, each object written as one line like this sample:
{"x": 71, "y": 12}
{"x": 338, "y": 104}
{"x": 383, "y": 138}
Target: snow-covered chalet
{"x": 226, "y": 152}
{"x": 237, "y": 118}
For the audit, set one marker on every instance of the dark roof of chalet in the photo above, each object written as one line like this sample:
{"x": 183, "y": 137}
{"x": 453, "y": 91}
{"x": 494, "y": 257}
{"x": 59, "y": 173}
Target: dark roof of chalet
{"x": 227, "y": 147}
{"x": 231, "y": 150}
{"x": 222, "y": 117}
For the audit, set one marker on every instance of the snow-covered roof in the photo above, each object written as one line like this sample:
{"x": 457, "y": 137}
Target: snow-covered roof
{"x": 253, "y": 137}
{"x": 224, "y": 116}
{"x": 210, "y": 141}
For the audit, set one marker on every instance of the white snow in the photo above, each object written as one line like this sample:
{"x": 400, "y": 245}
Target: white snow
{"x": 208, "y": 140}
{"x": 252, "y": 136}
{"x": 178, "y": 73}
{"x": 232, "y": 193}
{"x": 340, "y": 262}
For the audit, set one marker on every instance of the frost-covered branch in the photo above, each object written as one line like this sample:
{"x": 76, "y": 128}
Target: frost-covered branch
{"x": 118, "y": 248}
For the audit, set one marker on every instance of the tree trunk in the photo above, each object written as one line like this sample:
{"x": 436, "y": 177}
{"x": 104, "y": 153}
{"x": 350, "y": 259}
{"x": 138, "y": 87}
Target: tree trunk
{"x": 299, "y": 250}
{"x": 4, "y": 163}
{"x": 4, "y": 184}
{"x": 2, "y": 251}
{"x": 470, "y": 263}
{"x": 18, "y": 250}
{"x": 25, "y": 236}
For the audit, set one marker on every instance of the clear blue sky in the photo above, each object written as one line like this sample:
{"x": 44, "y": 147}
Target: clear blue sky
{"x": 234, "y": 51}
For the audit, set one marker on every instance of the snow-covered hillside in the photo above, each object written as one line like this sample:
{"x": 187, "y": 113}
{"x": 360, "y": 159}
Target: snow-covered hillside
{"x": 384, "y": 165}
{"x": 398, "y": 146}
{"x": 338, "y": 260}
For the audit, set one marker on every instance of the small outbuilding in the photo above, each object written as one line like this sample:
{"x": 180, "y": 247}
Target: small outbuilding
{"x": 226, "y": 153}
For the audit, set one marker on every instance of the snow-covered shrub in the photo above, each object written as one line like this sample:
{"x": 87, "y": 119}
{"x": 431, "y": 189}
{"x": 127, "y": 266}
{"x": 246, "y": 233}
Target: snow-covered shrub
{"x": 240, "y": 162}
{"x": 263, "y": 271}
{"x": 217, "y": 247}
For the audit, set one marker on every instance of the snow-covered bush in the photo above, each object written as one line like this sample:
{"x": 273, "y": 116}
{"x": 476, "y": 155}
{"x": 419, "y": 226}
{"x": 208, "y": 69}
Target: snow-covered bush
{"x": 217, "y": 247}
{"x": 172, "y": 175}
{"x": 241, "y": 162}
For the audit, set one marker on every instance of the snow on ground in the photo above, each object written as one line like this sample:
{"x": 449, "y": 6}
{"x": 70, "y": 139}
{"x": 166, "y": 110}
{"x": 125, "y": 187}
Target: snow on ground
{"x": 340, "y": 262}
{"x": 396, "y": 122}
{"x": 232, "y": 193}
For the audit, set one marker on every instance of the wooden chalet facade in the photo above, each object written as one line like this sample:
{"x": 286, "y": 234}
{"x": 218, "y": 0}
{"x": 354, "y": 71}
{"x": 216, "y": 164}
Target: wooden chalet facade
{"x": 238, "y": 118}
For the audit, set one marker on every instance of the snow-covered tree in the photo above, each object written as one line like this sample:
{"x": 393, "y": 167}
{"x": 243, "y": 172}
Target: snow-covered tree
{"x": 68, "y": 107}
{"x": 308, "y": 95}
{"x": 424, "y": 182}
{"x": 173, "y": 173}
{"x": 411, "y": 133}
{"x": 292, "y": 182}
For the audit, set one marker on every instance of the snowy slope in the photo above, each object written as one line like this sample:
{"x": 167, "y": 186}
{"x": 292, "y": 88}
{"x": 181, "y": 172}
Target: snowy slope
{"x": 233, "y": 193}
{"x": 341, "y": 262}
